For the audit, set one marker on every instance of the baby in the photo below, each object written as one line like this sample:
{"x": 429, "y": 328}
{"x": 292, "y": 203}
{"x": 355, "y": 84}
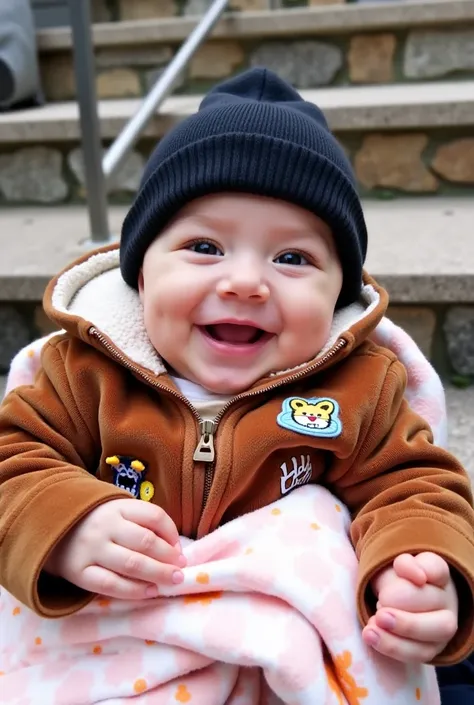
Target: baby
{"x": 230, "y": 332}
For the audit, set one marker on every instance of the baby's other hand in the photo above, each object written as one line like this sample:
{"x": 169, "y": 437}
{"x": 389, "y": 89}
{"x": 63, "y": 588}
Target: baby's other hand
{"x": 417, "y": 609}
{"x": 124, "y": 549}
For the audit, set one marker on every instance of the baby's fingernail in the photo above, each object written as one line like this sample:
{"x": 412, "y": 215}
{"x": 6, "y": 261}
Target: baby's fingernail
{"x": 182, "y": 562}
{"x": 178, "y": 577}
{"x": 177, "y": 546}
{"x": 152, "y": 591}
{"x": 386, "y": 620}
{"x": 371, "y": 637}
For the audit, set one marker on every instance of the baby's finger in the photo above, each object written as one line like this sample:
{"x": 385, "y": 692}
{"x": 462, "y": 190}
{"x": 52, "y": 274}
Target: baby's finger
{"x": 398, "y": 648}
{"x": 97, "y": 579}
{"x": 142, "y": 540}
{"x": 435, "y": 568}
{"x": 152, "y": 517}
{"x": 408, "y": 597}
{"x": 408, "y": 568}
{"x": 139, "y": 567}
{"x": 430, "y": 627}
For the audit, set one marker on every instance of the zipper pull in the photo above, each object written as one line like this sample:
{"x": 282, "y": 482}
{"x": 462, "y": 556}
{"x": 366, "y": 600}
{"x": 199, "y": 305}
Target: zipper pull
{"x": 205, "y": 448}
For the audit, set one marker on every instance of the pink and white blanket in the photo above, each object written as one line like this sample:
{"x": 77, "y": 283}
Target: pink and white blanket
{"x": 266, "y": 613}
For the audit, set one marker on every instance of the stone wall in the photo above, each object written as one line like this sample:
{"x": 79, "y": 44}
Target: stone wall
{"x": 375, "y": 58}
{"x": 114, "y": 10}
{"x": 385, "y": 165}
{"x": 444, "y": 334}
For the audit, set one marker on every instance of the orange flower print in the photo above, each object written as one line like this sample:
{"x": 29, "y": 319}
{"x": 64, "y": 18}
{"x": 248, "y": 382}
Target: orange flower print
{"x": 205, "y": 598}
{"x": 342, "y": 683}
{"x": 202, "y": 578}
{"x": 182, "y": 694}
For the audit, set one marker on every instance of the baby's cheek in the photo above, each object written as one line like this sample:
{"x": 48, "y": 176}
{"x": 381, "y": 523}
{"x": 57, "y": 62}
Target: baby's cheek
{"x": 300, "y": 341}
{"x": 311, "y": 326}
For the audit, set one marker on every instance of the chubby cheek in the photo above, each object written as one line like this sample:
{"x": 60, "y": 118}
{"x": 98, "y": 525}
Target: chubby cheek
{"x": 153, "y": 325}
{"x": 157, "y": 317}
{"x": 307, "y": 332}
{"x": 169, "y": 340}
{"x": 164, "y": 299}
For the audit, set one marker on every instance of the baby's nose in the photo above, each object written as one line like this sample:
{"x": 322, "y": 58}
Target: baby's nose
{"x": 248, "y": 286}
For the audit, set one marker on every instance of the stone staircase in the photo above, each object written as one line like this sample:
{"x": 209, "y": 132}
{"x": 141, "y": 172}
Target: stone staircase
{"x": 395, "y": 78}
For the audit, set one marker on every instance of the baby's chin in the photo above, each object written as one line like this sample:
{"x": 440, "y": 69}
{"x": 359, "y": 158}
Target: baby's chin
{"x": 227, "y": 385}
{"x": 224, "y": 387}
{"x": 226, "y": 382}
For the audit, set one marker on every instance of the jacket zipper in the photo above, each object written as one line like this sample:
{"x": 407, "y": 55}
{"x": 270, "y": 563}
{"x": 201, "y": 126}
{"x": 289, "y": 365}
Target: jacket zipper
{"x": 339, "y": 345}
{"x": 129, "y": 365}
{"x": 205, "y": 451}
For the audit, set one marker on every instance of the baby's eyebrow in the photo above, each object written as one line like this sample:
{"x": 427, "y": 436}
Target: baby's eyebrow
{"x": 304, "y": 233}
{"x": 210, "y": 222}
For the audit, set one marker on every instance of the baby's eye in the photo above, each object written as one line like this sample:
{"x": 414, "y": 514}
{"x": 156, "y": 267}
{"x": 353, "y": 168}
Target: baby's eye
{"x": 293, "y": 258}
{"x": 205, "y": 248}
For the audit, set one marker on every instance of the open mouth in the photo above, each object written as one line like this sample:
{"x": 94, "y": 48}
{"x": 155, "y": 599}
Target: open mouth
{"x": 126, "y": 483}
{"x": 236, "y": 334}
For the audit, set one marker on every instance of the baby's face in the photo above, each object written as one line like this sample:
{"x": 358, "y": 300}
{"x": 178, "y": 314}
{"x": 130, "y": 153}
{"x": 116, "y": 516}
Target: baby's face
{"x": 238, "y": 286}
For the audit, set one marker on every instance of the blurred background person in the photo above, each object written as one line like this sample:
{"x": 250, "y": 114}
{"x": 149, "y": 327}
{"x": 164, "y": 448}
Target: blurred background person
{"x": 19, "y": 74}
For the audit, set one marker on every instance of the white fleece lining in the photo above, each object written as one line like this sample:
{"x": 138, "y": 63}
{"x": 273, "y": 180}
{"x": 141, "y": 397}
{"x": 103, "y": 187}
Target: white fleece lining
{"x": 94, "y": 290}
{"x": 112, "y": 306}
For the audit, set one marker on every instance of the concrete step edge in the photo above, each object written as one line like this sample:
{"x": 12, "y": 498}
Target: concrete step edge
{"x": 330, "y": 19}
{"x": 355, "y": 108}
{"x": 421, "y": 249}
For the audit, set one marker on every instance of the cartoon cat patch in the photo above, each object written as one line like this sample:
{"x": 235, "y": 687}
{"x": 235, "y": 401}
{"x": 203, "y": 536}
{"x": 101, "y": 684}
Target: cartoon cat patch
{"x": 311, "y": 417}
{"x": 129, "y": 475}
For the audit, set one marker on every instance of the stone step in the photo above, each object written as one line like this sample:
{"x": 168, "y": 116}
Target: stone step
{"x": 333, "y": 43}
{"x": 327, "y": 19}
{"x": 421, "y": 250}
{"x": 348, "y": 109}
{"x": 414, "y": 139}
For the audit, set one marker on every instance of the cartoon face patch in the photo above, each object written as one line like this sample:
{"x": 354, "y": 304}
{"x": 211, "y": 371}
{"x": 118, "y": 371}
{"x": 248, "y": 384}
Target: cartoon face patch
{"x": 312, "y": 417}
{"x": 129, "y": 475}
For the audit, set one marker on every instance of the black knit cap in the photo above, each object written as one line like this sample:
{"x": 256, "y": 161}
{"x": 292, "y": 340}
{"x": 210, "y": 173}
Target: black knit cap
{"x": 252, "y": 134}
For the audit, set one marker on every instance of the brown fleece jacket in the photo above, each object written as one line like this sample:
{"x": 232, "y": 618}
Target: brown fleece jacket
{"x": 103, "y": 397}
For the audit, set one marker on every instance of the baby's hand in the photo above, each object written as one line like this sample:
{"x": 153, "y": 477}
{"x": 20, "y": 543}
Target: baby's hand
{"x": 123, "y": 549}
{"x": 417, "y": 609}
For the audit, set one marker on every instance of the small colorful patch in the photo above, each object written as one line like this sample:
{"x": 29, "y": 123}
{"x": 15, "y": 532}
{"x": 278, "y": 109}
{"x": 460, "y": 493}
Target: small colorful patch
{"x": 129, "y": 475}
{"x": 312, "y": 417}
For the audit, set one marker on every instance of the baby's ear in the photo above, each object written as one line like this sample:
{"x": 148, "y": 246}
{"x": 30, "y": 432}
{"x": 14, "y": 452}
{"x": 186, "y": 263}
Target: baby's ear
{"x": 141, "y": 285}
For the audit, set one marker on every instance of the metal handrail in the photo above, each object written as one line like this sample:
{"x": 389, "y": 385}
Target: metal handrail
{"x": 84, "y": 70}
{"x": 98, "y": 170}
{"x": 162, "y": 88}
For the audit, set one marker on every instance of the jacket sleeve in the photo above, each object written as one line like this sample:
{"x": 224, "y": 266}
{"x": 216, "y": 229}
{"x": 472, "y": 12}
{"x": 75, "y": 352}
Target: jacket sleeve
{"x": 407, "y": 495}
{"x": 48, "y": 457}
